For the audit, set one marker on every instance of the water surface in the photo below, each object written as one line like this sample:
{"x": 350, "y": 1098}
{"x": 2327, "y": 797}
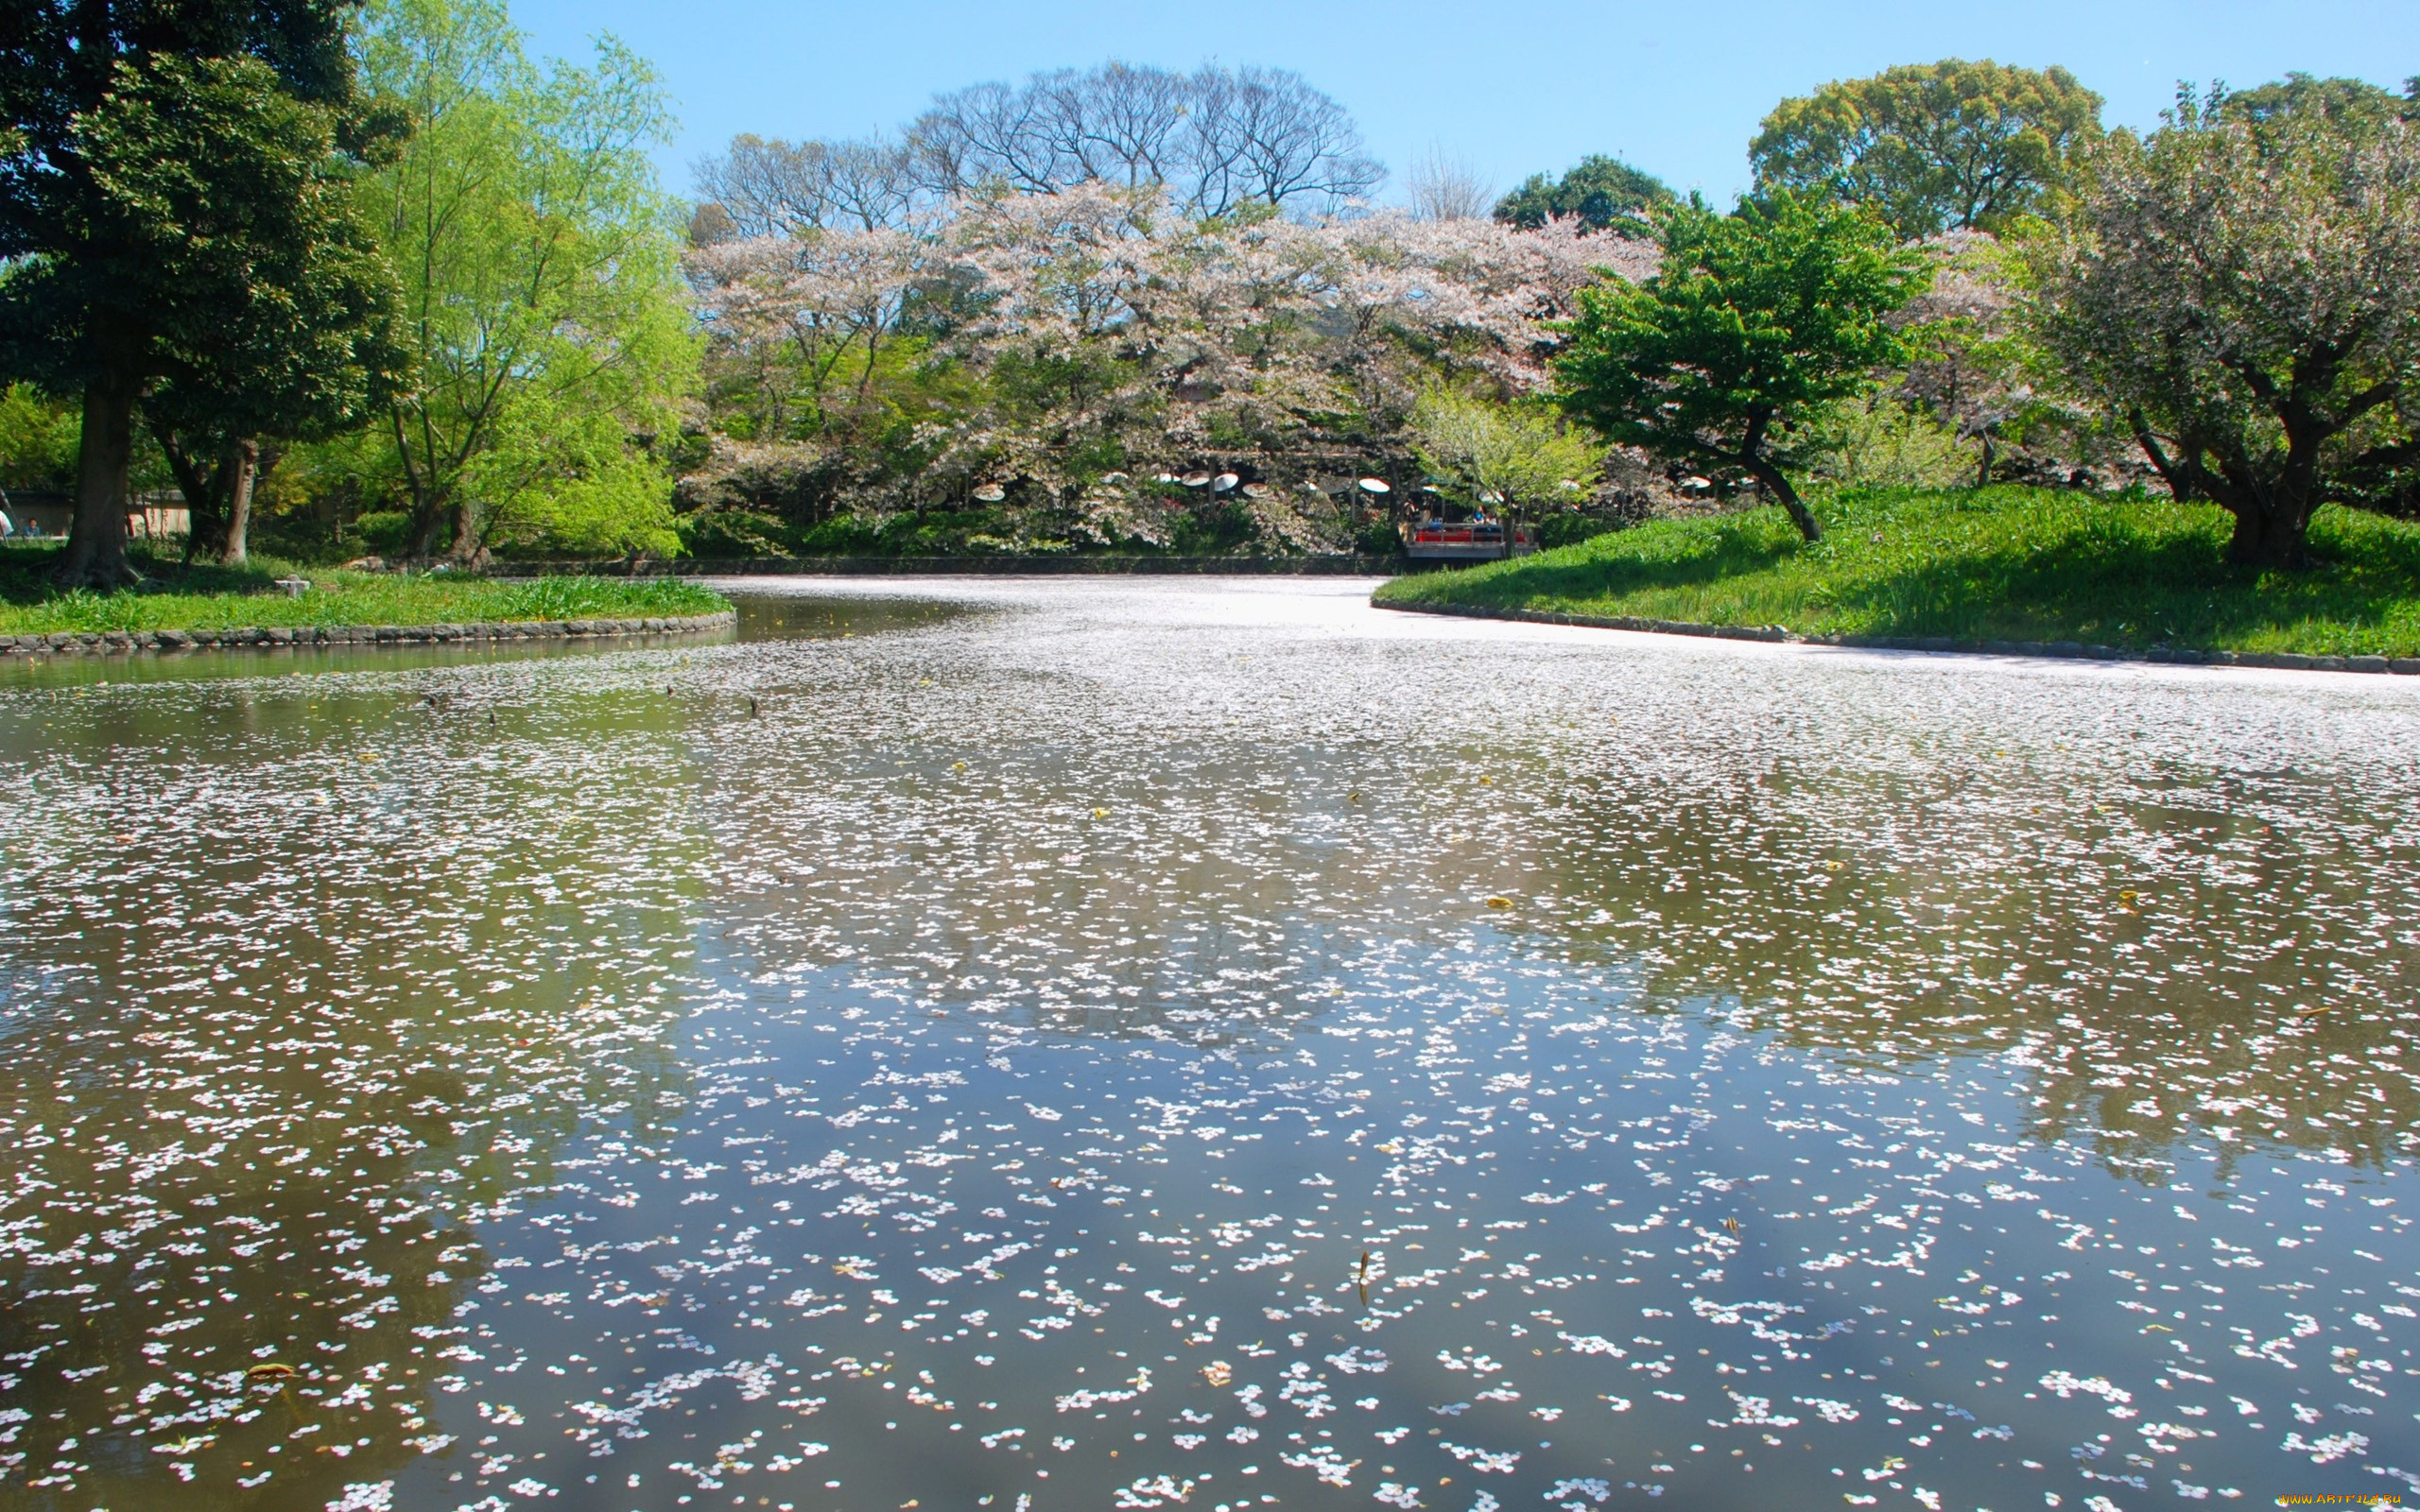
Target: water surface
{"x": 1129, "y": 1044}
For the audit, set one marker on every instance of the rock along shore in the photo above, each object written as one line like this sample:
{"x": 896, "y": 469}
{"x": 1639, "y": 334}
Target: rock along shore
{"x": 323, "y": 635}
{"x": 2067, "y": 650}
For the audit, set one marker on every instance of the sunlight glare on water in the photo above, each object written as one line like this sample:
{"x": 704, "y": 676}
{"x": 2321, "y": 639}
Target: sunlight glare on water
{"x": 1114, "y": 1044}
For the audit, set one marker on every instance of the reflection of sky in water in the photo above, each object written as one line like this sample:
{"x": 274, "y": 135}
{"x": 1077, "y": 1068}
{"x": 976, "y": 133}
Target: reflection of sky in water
{"x": 1157, "y": 1043}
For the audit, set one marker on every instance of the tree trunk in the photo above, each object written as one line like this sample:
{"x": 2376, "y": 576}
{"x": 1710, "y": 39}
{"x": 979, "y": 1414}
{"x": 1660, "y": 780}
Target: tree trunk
{"x": 240, "y": 469}
{"x": 96, "y": 553}
{"x": 1983, "y": 468}
{"x": 2172, "y": 470}
{"x": 468, "y": 544}
{"x": 2270, "y": 534}
{"x": 422, "y": 543}
{"x": 1779, "y": 485}
{"x": 205, "y": 511}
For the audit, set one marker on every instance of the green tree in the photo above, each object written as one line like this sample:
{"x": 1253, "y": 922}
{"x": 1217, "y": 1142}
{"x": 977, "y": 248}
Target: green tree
{"x": 543, "y": 308}
{"x": 268, "y": 200}
{"x": 1933, "y": 147}
{"x": 131, "y": 252}
{"x": 1753, "y": 319}
{"x": 2351, "y": 101}
{"x": 2245, "y": 292}
{"x": 1523, "y": 457}
{"x": 38, "y": 439}
{"x": 1604, "y": 192}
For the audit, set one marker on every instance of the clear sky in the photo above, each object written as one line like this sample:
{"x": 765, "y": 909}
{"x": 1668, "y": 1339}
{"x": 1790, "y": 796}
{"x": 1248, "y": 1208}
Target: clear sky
{"x": 1510, "y": 86}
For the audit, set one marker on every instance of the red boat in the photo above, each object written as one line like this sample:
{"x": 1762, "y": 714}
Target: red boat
{"x": 1479, "y": 539}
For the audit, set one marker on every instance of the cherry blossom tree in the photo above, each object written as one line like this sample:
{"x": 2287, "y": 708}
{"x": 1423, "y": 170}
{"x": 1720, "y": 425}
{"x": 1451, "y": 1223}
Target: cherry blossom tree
{"x": 2247, "y": 295}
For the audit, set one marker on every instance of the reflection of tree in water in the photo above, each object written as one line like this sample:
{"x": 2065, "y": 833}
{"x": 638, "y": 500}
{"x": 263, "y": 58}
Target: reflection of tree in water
{"x": 1956, "y": 899}
{"x": 2144, "y": 956}
{"x": 1170, "y": 894}
{"x": 278, "y": 1050}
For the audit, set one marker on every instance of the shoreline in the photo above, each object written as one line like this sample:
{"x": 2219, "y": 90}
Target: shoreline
{"x": 294, "y": 636}
{"x": 1938, "y": 645}
{"x": 1072, "y": 564}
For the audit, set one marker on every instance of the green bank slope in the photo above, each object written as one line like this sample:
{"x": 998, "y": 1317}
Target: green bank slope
{"x": 1993, "y": 564}
{"x": 225, "y": 598}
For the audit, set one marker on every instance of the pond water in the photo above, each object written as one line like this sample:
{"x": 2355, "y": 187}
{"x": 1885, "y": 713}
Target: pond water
{"x": 1121, "y": 1044}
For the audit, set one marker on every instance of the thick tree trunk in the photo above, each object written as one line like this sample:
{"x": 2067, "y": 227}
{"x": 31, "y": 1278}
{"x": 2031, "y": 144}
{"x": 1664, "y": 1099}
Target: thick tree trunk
{"x": 96, "y": 553}
{"x": 468, "y": 544}
{"x": 2270, "y": 535}
{"x": 241, "y": 469}
{"x": 422, "y": 543}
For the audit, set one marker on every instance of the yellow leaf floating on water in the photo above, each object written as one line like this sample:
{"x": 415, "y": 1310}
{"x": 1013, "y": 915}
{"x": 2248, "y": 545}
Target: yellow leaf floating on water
{"x": 1499, "y": 902}
{"x": 270, "y": 1370}
{"x": 1101, "y": 813}
{"x": 1217, "y": 1372}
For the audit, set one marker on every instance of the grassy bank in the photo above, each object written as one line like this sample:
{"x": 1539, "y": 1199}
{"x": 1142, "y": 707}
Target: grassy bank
{"x": 1994, "y": 565}
{"x": 226, "y": 598}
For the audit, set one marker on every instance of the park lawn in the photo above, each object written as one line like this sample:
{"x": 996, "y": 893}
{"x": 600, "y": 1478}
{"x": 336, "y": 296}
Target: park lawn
{"x": 228, "y": 599}
{"x": 1988, "y": 564}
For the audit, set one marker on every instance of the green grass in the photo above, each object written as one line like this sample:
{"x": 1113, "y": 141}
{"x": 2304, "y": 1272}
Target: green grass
{"x": 1991, "y": 564}
{"x": 227, "y": 598}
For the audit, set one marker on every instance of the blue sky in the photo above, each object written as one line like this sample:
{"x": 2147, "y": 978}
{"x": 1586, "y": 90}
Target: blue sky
{"x": 1510, "y": 87}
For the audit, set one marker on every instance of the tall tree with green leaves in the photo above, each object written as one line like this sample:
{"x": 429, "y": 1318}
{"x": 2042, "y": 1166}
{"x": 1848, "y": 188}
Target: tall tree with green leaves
{"x": 309, "y": 343}
{"x": 542, "y": 306}
{"x": 1952, "y": 146}
{"x": 1602, "y": 193}
{"x": 161, "y": 187}
{"x": 1753, "y": 319}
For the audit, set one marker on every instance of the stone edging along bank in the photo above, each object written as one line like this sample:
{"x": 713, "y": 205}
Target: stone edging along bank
{"x": 2072, "y": 651}
{"x": 322, "y": 635}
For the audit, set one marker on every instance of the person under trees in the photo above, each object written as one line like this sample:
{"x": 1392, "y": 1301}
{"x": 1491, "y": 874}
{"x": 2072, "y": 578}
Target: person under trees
{"x": 165, "y": 200}
{"x": 1952, "y": 146}
{"x": 2243, "y": 287}
{"x": 1753, "y": 319}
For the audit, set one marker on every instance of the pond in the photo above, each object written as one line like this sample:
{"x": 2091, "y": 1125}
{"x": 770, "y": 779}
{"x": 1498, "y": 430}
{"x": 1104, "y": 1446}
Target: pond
{"x": 1140, "y": 1043}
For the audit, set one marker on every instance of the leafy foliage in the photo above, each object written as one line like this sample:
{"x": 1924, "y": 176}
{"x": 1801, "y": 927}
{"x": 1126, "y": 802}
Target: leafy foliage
{"x": 38, "y": 439}
{"x": 1753, "y": 319}
{"x": 1602, "y": 193}
{"x": 1520, "y": 457}
{"x": 540, "y": 292}
{"x": 1877, "y": 440}
{"x": 171, "y": 215}
{"x": 1935, "y": 146}
{"x": 2247, "y": 293}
